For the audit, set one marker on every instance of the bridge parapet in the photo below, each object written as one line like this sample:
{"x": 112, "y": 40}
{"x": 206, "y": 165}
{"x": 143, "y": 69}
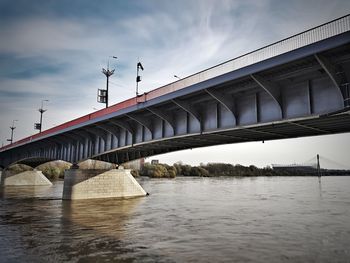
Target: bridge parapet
{"x": 316, "y": 34}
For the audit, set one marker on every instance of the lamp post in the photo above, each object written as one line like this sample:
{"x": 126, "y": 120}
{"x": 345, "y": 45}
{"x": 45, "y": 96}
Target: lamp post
{"x": 102, "y": 95}
{"x": 138, "y": 77}
{"x": 39, "y": 126}
{"x": 12, "y": 131}
{"x": 177, "y": 77}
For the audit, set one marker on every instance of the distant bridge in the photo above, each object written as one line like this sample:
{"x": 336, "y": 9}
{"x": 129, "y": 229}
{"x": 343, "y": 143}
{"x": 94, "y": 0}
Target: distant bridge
{"x": 318, "y": 161}
{"x": 314, "y": 167}
{"x": 295, "y": 87}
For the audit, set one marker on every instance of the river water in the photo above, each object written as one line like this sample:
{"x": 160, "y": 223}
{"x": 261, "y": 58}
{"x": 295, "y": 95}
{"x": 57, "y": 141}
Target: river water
{"x": 258, "y": 219}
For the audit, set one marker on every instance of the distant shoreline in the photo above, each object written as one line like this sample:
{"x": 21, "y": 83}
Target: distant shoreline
{"x": 227, "y": 170}
{"x": 55, "y": 170}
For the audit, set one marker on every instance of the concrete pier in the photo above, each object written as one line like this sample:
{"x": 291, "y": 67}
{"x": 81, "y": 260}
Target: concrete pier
{"x": 92, "y": 183}
{"x": 24, "y": 178}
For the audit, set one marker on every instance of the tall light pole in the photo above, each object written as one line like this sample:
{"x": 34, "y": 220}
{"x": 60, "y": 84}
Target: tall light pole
{"x": 138, "y": 77}
{"x": 102, "y": 95}
{"x": 12, "y": 131}
{"x": 318, "y": 165}
{"x": 39, "y": 126}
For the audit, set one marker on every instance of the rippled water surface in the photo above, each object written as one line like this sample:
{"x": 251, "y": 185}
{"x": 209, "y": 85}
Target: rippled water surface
{"x": 281, "y": 219}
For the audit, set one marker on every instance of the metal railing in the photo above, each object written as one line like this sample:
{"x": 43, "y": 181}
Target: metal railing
{"x": 327, "y": 30}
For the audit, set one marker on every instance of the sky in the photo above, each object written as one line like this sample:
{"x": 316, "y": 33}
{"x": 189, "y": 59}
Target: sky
{"x": 55, "y": 50}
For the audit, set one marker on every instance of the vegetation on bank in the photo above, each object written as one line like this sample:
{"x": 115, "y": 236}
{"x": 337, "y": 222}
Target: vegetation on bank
{"x": 19, "y": 168}
{"x": 223, "y": 169}
{"x": 204, "y": 170}
{"x": 55, "y": 170}
{"x": 158, "y": 171}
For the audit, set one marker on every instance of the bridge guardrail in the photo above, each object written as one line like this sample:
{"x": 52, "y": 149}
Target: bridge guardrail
{"x": 327, "y": 30}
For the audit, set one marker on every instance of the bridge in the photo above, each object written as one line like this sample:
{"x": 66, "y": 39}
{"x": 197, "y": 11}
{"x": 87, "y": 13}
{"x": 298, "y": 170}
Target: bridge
{"x": 313, "y": 166}
{"x": 295, "y": 87}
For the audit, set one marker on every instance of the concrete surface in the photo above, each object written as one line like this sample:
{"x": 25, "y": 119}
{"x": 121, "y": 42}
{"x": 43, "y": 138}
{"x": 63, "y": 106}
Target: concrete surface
{"x": 24, "y": 178}
{"x": 88, "y": 184}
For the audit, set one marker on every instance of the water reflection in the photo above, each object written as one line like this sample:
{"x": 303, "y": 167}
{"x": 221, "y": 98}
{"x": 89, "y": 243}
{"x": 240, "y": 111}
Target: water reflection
{"x": 95, "y": 229}
{"x": 320, "y": 186}
{"x": 88, "y": 230}
{"x": 104, "y": 216}
{"x": 20, "y": 192}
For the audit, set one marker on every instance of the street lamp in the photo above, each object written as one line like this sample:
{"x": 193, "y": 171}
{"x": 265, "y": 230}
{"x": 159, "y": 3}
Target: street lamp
{"x": 177, "y": 77}
{"x": 102, "y": 94}
{"x": 12, "y": 131}
{"x": 39, "y": 126}
{"x": 138, "y": 77}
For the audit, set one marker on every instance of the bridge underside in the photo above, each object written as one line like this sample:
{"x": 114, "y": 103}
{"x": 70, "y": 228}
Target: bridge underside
{"x": 332, "y": 124}
{"x": 301, "y": 93}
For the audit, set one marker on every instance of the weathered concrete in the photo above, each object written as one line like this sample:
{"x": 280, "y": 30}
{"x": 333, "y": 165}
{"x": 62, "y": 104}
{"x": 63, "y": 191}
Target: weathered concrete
{"x": 88, "y": 184}
{"x": 24, "y": 178}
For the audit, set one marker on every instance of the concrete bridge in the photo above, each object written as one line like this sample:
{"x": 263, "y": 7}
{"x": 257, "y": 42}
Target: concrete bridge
{"x": 295, "y": 87}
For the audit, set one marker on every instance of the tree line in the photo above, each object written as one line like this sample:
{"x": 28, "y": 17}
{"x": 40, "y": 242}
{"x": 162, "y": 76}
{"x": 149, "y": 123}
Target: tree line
{"x": 211, "y": 170}
{"x": 55, "y": 170}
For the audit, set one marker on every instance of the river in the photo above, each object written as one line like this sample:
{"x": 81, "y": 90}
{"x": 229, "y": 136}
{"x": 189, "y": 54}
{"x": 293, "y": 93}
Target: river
{"x": 257, "y": 219}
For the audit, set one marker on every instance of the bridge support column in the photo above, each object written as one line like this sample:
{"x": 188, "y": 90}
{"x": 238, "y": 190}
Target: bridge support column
{"x": 92, "y": 183}
{"x": 27, "y": 178}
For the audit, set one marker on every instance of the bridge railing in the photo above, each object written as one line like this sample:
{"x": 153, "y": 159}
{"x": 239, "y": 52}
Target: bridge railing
{"x": 327, "y": 30}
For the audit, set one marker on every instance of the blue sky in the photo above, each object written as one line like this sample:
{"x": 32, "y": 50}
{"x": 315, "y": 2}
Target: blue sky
{"x": 55, "y": 50}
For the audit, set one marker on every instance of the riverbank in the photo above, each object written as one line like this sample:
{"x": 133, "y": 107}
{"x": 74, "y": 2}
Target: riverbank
{"x": 55, "y": 170}
{"x": 224, "y": 169}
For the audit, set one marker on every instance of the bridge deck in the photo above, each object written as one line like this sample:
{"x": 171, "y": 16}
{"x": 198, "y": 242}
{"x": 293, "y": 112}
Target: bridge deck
{"x": 313, "y": 35}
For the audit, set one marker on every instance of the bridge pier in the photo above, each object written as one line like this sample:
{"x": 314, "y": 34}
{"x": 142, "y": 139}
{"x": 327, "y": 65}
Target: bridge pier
{"x": 26, "y": 178}
{"x": 97, "y": 183}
